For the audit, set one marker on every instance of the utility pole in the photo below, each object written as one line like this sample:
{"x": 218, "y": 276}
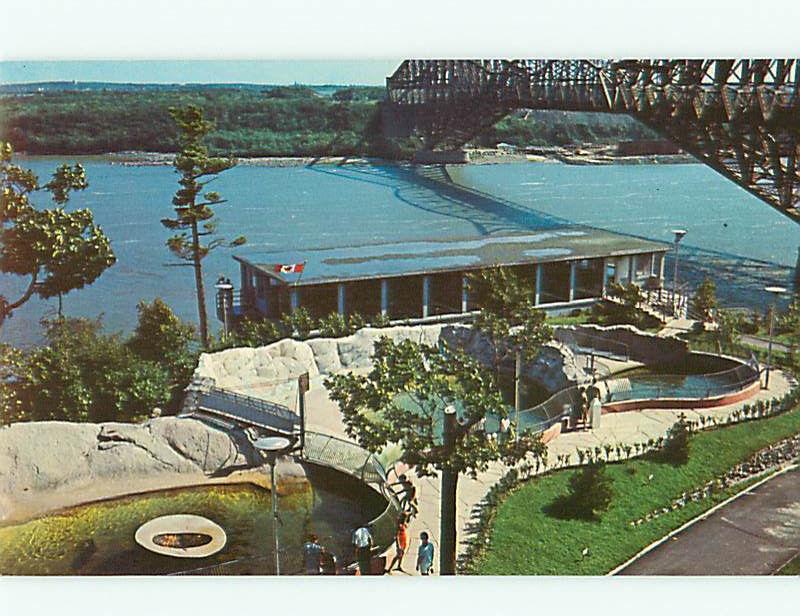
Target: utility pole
{"x": 447, "y": 529}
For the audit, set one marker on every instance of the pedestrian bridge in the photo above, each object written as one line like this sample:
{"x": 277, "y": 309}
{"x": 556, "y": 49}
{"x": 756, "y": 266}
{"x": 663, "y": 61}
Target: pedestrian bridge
{"x": 232, "y": 408}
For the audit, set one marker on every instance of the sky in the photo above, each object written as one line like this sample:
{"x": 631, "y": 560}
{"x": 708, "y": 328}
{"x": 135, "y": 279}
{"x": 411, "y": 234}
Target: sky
{"x": 317, "y": 72}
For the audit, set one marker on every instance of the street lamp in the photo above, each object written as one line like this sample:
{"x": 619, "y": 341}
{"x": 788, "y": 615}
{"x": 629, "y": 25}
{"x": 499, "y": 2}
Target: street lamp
{"x": 679, "y": 233}
{"x": 776, "y": 292}
{"x": 273, "y": 446}
{"x": 224, "y": 287}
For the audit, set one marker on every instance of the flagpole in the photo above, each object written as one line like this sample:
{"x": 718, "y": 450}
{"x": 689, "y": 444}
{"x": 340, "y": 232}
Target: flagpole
{"x": 303, "y": 271}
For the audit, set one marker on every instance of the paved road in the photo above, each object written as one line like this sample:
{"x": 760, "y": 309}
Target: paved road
{"x": 763, "y": 343}
{"x": 754, "y": 535}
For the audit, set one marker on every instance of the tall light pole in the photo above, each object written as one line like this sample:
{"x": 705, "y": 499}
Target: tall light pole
{"x": 679, "y": 233}
{"x": 776, "y": 292}
{"x": 224, "y": 287}
{"x": 447, "y": 504}
{"x": 273, "y": 446}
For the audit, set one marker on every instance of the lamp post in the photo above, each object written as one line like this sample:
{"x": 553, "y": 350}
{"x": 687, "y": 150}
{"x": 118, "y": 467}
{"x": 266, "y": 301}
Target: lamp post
{"x": 447, "y": 528}
{"x": 224, "y": 287}
{"x": 776, "y": 292}
{"x": 273, "y": 446}
{"x": 679, "y": 233}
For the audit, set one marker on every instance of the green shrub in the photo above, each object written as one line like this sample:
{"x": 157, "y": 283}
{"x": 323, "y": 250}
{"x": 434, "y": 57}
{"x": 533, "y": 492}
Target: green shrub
{"x": 676, "y": 445}
{"x": 590, "y": 494}
{"x": 81, "y": 375}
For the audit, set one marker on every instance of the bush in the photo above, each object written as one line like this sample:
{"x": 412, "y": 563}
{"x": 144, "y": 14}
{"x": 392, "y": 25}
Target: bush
{"x": 676, "y": 445}
{"x": 704, "y": 301}
{"x": 81, "y": 375}
{"x": 162, "y": 338}
{"x": 257, "y": 332}
{"x": 590, "y": 493}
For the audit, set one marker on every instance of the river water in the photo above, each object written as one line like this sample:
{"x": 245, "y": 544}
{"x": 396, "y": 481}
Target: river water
{"x": 742, "y": 241}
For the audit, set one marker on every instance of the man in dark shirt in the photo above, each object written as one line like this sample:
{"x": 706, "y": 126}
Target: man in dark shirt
{"x": 311, "y": 554}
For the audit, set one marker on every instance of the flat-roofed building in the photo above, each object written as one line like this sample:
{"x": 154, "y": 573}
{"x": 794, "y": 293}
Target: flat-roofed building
{"x": 566, "y": 267}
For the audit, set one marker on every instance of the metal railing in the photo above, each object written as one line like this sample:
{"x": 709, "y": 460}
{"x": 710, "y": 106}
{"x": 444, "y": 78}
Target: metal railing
{"x": 681, "y": 386}
{"x": 343, "y": 456}
{"x": 646, "y": 387}
{"x": 203, "y": 397}
{"x": 581, "y": 342}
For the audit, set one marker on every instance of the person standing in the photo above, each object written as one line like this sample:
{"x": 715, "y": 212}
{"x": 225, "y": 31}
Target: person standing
{"x": 425, "y": 555}
{"x": 362, "y": 543}
{"x": 311, "y": 554}
{"x": 401, "y": 543}
{"x": 595, "y": 411}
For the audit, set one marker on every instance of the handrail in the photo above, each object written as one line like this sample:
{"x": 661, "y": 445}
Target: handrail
{"x": 383, "y": 524}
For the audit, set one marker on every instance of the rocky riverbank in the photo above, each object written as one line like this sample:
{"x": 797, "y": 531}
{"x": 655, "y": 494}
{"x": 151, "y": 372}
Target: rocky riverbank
{"x": 599, "y": 155}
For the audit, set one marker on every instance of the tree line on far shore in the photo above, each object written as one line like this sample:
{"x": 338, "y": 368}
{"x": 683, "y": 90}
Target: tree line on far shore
{"x": 282, "y": 121}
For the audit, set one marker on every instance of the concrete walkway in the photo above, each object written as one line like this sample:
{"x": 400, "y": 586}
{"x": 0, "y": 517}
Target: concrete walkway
{"x": 616, "y": 428}
{"x": 756, "y": 534}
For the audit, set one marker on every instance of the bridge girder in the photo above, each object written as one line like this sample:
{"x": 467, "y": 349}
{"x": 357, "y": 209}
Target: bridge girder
{"x": 741, "y": 117}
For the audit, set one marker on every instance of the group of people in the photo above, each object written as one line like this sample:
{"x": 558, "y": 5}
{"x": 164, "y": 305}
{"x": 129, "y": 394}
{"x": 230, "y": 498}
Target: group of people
{"x": 588, "y": 414}
{"x": 320, "y": 561}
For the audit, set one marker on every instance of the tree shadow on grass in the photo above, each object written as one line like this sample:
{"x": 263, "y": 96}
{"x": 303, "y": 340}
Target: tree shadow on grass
{"x": 564, "y": 507}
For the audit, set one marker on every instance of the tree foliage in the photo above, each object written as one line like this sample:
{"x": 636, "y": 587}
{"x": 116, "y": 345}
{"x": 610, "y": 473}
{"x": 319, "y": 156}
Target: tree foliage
{"x": 402, "y": 399}
{"x": 261, "y": 122}
{"x": 164, "y": 339}
{"x": 54, "y": 250}
{"x": 193, "y": 204}
{"x": 704, "y": 300}
{"x": 590, "y": 493}
{"x": 729, "y": 327}
{"x": 676, "y": 445}
{"x": 508, "y": 315}
{"x": 80, "y": 374}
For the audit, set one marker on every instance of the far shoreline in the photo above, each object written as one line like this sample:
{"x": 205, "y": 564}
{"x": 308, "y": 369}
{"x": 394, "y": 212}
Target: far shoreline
{"x": 482, "y": 156}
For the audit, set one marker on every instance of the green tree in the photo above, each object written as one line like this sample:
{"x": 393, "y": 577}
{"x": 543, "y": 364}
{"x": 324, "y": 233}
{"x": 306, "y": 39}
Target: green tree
{"x": 508, "y": 316}
{"x": 729, "y": 327}
{"x": 590, "y": 493}
{"x": 55, "y": 250}
{"x": 625, "y": 307}
{"x": 704, "y": 300}
{"x": 81, "y": 374}
{"x": 194, "y": 215}
{"x": 676, "y": 445}
{"x": 402, "y": 401}
{"x": 162, "y": 338}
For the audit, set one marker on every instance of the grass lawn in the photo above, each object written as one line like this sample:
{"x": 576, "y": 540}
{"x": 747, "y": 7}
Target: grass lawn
{"x": 524, "y": 540}
{"x": 793, "y": 568}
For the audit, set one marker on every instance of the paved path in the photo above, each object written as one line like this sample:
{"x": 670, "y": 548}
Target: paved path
{"x": 762, "y": 343}
{"x": 629, "y": 427}
{"x": 755, "y": 534}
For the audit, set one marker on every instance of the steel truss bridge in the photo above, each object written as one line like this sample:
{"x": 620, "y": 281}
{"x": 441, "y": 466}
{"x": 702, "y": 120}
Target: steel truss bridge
{"x": 739, "y": 117}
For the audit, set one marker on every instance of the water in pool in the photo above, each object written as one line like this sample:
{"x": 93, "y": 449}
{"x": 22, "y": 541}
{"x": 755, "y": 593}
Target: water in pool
{"x": 98, "y": 539}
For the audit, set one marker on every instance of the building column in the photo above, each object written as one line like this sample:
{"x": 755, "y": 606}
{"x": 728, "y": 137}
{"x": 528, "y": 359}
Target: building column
{"x": 537, "y": 294}
{"x": 294, "y": 299}
{"x": 464, "y": 294}
{"x": 384, "y": 296}
{"x": 605, "y": 277}
{"x": 426, "y": 296}
{"x": 631, "y": 272}
{"x": 340, "y": 298}
{"x": 573, "y": 276}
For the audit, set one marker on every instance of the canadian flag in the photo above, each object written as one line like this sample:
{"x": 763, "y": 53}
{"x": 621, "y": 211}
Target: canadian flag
{"x": 289, "y": 268}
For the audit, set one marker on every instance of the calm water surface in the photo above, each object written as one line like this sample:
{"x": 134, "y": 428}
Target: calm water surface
{"x": 98, "y": 539}
{"x": 292, "y": 208}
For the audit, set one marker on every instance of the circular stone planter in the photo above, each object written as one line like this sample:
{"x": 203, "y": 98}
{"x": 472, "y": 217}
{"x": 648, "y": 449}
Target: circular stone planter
{"x": 181, "y": 536}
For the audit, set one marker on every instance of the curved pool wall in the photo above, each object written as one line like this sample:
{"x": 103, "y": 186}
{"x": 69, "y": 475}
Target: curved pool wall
{"x": 729, "y": 380}
{"x": 347, "y": 487}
